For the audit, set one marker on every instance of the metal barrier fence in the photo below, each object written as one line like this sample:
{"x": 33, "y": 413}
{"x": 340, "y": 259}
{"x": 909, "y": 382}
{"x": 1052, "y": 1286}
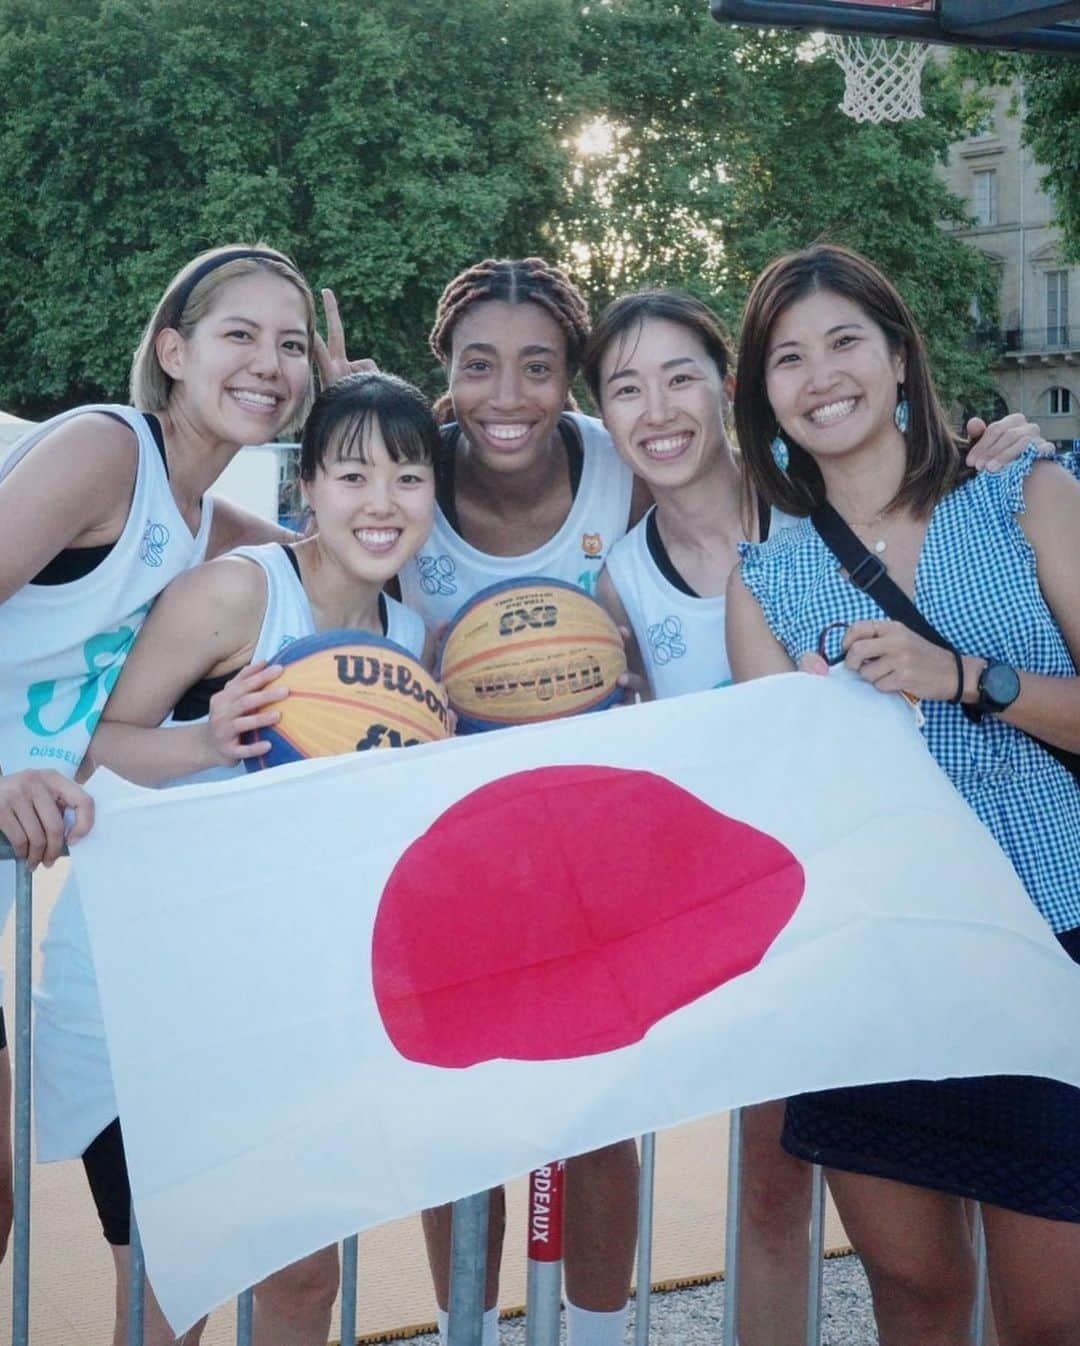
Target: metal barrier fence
{"x": 468, "y": 1257}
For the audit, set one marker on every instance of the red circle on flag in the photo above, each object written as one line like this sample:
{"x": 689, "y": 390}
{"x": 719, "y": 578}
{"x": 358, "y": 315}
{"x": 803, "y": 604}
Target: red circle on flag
{"x": 564, "y": 911}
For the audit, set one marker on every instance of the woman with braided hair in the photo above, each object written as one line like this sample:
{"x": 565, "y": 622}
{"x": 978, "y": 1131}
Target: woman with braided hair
{"x": 528, "y": 486}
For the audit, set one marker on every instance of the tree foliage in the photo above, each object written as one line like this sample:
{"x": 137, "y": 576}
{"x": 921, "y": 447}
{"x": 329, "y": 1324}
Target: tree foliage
{"x": 389, "y": 143}
{"x": 1050, "y": 106}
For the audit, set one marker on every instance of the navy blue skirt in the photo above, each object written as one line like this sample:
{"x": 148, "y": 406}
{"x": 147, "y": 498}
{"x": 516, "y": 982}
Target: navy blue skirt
{"x": 1009, "y": 1140}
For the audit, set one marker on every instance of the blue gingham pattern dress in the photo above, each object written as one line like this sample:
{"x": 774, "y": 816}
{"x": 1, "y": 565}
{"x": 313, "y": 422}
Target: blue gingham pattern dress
{"x": 977, "y": 583}
{"x": 1010, "y": 1141}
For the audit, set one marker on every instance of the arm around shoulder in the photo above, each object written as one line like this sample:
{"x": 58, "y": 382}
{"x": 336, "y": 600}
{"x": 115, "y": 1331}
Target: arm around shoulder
{"x": 234, "y": 526}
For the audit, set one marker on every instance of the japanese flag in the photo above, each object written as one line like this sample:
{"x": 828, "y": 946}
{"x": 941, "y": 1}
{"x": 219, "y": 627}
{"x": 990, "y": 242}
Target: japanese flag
{"x": 341, "y": 991}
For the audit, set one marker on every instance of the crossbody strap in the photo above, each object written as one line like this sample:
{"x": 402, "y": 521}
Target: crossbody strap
{"x": 867, "y": 572}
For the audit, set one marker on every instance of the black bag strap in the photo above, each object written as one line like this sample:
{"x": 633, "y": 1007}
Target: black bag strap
{"x": 867, "y": 572}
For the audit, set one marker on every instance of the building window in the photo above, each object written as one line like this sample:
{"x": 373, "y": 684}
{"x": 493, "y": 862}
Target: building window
{"x": 1057, "y": 308}
{"x": 984, "y": 196}
{"x": 1059, "y": 402}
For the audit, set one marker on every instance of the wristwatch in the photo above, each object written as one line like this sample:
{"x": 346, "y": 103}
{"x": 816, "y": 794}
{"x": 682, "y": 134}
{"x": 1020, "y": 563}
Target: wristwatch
{"x": 998, "y": 687}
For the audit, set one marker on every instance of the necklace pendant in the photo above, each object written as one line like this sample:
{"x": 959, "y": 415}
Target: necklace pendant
{"x": 880, "y": 545}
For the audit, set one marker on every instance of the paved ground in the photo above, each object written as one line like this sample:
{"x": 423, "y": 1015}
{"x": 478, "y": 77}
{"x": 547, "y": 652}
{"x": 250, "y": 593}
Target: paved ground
{"x": 694, "y": 1317}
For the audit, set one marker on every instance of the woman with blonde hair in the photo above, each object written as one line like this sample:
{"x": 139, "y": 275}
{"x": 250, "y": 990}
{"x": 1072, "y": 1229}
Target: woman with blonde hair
{"x": 100, "y": 508}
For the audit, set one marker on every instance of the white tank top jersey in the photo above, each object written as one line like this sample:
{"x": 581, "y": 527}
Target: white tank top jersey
{"x": 287, "y": 618}
{"x": 288, "y": 614}
{"x": 62, "y": 645}
{"x": 680, "y": 636}
{"x": 447, "y": 571}
{"x": 73, "y": 1092}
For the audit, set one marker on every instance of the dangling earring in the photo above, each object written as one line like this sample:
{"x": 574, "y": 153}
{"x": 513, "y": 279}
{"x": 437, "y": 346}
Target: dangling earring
{"x": 902, "y": 414}
{"x": 781, "y": 456}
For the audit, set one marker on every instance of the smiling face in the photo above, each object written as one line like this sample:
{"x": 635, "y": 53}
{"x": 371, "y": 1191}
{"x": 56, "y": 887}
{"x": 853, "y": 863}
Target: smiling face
{"x": 509, "y": 382}
{"x": 245, "y": 368}
{"x": 663, "y": 401}
{"x": 831, "y": 377}
{"x": 372, "y": 513}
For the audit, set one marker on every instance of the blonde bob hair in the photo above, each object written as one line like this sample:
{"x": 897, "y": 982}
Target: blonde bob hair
{"x": 150, "y": 386}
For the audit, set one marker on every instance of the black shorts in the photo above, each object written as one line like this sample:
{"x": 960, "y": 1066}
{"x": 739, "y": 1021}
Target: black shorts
{"x": 3, "y": 1030}
{"x": 1008, "y": 1140}
{"x": 106, "y": 1171}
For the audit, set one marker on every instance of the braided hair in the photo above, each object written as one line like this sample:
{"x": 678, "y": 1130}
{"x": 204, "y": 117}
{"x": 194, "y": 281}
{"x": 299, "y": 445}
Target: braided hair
{"x": 528, "y": 281}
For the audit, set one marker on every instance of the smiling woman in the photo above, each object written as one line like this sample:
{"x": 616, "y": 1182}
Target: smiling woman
{"x": 100, "y": 509}
{"x": 832, "y": 363}
{"x": 529, "y": 487}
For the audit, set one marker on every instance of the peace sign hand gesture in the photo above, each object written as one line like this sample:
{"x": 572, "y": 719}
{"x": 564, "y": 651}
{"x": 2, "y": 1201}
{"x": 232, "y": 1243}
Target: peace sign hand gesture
{"x": 330, "y": 357}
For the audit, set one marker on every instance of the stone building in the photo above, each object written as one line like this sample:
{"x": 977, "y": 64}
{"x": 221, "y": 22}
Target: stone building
{"x": 1037, "y": 368}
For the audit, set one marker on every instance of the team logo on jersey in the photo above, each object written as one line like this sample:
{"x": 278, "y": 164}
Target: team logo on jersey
{"x": 155, "y": 539}
{"x": 54, "y": 708}
{"x": 592, "y": 544}
{"x": 666, "y": 640}
{"x": 437, "y": 575}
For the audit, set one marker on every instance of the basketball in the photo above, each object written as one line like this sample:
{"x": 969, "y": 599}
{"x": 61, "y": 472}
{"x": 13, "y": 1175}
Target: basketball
{"x": 350, "y": 691}
{"x": 529, "y": 650}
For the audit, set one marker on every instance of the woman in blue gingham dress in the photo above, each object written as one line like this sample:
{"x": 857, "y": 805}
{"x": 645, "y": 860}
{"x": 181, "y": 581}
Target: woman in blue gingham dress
{"x": 835, "y": 402}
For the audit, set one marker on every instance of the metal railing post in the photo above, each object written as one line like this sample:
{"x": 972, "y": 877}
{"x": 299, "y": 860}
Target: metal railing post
{"x": 817, "y": 1256}
{"x": 732, "y": 1232}
{"x": 646, "y": 1184}
{"x": 468, "y": 1269}
{"x": 349, "y": 1259}
{"x": 543, "y": 1289}
{"x": 978, "y": 1316}
{"x": 24, "y": 940}
{"x": 136, "y": 1285}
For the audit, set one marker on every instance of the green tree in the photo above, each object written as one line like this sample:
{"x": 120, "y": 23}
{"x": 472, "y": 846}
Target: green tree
{"x": 1047, "y": 90}
{"x": 387, "y": 144}
{"x": 728, "y": 147}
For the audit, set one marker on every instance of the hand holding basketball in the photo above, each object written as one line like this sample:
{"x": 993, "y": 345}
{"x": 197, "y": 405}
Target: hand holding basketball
{"x": 635, "y": 685}
{"x": 246, "y": 704}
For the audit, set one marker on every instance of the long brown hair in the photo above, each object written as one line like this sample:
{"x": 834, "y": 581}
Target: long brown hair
{"x": 934, "y": 464}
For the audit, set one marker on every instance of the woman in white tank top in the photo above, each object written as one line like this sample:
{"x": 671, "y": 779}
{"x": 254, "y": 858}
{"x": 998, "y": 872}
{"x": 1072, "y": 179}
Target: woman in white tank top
{"x": 660, "y": 367}
{"x": 527, "y": 486}
{"x": 367, "y": 474}
{"x": 102, "y": 506}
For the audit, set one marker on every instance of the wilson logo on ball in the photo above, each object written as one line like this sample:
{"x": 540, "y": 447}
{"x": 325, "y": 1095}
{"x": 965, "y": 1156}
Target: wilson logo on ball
{"x": 368, "y": 671}
{"x": 549, "y": 683}
{"x": 350, "y": 691}
{"x": 528, "y": 650}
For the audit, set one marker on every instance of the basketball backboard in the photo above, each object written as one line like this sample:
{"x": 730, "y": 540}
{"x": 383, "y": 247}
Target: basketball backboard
{"x": 1019, "y": 25}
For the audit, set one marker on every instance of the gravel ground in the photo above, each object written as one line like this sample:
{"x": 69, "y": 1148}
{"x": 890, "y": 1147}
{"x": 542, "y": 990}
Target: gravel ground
{"x": 693, "y": 1317}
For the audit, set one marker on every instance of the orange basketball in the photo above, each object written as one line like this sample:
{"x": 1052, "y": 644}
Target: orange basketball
{"x": 350, "y": 691}
{"x": 528, "y": 650}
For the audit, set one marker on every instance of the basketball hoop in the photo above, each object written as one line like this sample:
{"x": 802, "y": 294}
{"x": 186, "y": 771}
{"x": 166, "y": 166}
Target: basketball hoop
{"x": 882, "y": 77}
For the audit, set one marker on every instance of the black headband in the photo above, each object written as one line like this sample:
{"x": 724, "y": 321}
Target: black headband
{"x": 204, "y": 268}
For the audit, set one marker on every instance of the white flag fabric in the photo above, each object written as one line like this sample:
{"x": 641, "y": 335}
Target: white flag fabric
{"x": 344, "y": 990}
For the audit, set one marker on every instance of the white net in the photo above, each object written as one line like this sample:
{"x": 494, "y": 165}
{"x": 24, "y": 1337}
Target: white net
{"x": 882, "y": 77}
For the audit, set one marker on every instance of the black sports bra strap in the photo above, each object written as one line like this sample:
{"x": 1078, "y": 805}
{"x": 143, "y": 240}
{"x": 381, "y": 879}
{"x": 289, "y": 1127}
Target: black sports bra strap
{"x": 292, "y": 560}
